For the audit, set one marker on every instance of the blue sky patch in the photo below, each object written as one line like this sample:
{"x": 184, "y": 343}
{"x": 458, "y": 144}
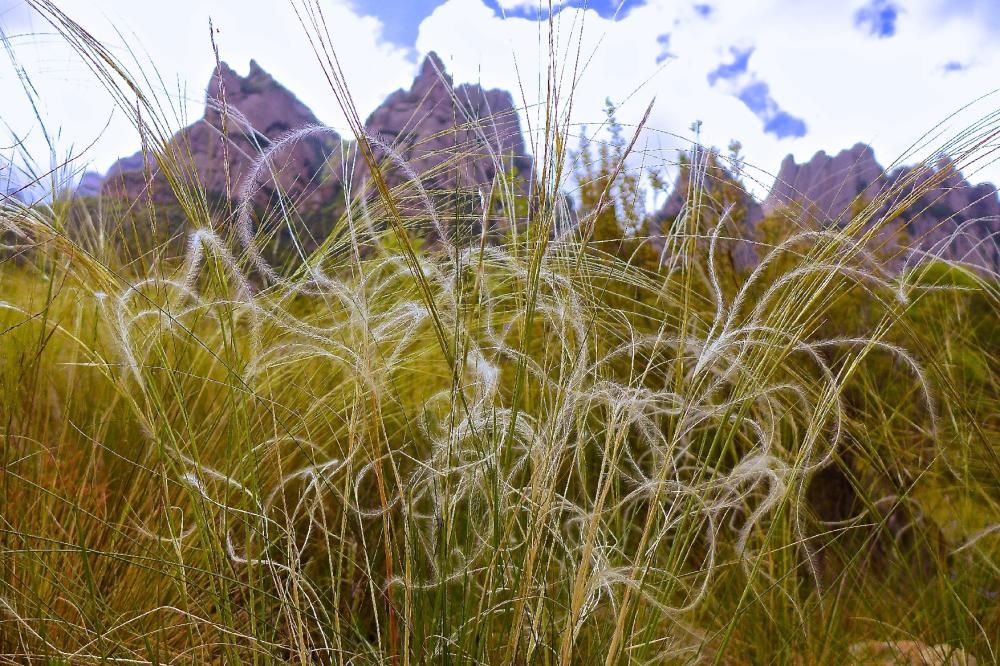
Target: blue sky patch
{"x": 665, "y": 54}
{"x": 757, "y": 97}
{"x": 703, "y": 10}
{"x": 877, "y": 18}
{"x": 401, "y": 19}
{"x": 731, "y": 70}
{"x": 784, "y": 125}
{"x": 538, "y": 9}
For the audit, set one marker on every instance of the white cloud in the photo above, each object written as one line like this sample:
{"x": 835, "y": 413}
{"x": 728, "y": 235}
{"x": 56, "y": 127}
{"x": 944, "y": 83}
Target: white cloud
{"x": 509, "y": 5}
{"x": 13, "y": 13}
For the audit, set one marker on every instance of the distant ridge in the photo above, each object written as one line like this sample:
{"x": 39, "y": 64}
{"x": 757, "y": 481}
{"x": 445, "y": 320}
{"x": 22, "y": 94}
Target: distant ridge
{"x": 458, "y": 137}
{"x": 951, "y": 219}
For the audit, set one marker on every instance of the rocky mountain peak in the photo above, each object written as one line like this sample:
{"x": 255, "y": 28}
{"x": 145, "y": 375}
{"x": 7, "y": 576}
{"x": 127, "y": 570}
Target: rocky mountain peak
{"x": 267, "y": 106}
{"x": 243, "y": 114}
{"x": 451, "y": 136}
{"x": 455, "y": 138}
{"x": 722, "y": 195}
{"x": 825, "y": 185}
{"x": 948, "y": 217}
{"x": 89, "y": 184}
{"x": 432, "y": 71}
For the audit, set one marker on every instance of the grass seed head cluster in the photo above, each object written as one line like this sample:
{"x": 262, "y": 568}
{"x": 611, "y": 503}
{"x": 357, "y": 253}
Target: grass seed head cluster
{"x": 525, "y": 450}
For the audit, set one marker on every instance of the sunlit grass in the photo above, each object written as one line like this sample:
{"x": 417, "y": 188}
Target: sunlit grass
{"x": 526, "y": 448}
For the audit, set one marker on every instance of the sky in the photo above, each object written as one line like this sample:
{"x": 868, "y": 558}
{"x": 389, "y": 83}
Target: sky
{"x": 781, "y": 76}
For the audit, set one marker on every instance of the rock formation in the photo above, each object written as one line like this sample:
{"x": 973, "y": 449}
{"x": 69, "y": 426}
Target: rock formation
{"x": 721, "y": 189}
{"x": 458, "y": 138}
{"x": 89, "y": 185}
{"x": 721, "y": 195}
{"x": 825, "y": 187}
{"x": 948, "y": 216}
{"x": 243, "y": 116}
{"x": 453, "y": 137}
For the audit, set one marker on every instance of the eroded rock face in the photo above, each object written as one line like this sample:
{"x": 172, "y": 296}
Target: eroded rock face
{"x": 949, "y": 217}
{"x": 825, "y": 186}
{"x": 243, "y": 117}
{"x": 721, "y": 190}
{"x": 453, "y": 137}
{"x": 722, "y": 198}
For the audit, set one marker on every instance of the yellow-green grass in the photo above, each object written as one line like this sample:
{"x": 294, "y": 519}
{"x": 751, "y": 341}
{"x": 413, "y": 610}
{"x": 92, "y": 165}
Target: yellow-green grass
{"x": 536, "y": 449}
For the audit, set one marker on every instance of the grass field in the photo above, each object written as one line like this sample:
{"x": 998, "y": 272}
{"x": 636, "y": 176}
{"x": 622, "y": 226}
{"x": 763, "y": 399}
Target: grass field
{"x": 543, "y": 448}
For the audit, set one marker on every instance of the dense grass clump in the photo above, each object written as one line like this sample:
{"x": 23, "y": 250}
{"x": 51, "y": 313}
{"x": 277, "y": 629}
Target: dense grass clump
{"x": 530, "y": 441}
